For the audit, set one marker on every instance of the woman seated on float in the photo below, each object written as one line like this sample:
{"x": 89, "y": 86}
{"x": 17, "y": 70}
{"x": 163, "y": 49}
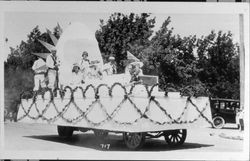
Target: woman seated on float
{"x": 95, "y": 70}
{"x": 110, "y": 67}
{"x": 135, "y": 72}
{"x": 76, "y": 76}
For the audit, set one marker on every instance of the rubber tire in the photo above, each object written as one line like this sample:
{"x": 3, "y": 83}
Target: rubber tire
{"x": 221, "y": 122}
{"x": 65, "y": 131}
{"x": 140, "y": 140}
{"x": 173, "y": 134}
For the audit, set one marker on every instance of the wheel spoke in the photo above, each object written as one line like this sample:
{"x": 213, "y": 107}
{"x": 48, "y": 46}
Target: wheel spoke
{"x": 176, "y": 140}
{"x": 171, "y": 137}
{"x": 133, "y": 141}
{"x": 130, "y": 139}
{"x": 127, "y": 137}
{"x": 137, "y": 139}
{"x": 178, "y": 136}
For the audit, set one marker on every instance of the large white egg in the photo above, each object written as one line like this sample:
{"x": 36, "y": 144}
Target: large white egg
{"x": 74, "y": 40}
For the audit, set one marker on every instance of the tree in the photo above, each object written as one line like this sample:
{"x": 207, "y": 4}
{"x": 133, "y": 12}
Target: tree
{"x": 219, "y": 59}
{"x": 18, "y": 75}
{"x": 115, "y": 35}
{"x": 23, "y": 53}
{"x": 172, "y": 58}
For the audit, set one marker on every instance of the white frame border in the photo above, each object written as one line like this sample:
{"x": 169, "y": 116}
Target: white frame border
{"x": 127, "y": 7}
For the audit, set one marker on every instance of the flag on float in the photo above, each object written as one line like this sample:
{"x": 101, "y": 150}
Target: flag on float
{"x": 42, "y": 55}
{"x": 131, "y": 57}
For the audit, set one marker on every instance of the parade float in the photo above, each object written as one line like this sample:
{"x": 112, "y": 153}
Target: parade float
{"x": 110, "y": 104}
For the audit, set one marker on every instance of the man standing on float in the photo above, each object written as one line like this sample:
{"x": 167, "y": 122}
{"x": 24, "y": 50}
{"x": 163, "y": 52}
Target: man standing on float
{"x": 40, "y": 70}
{"x": 53, "y": 63}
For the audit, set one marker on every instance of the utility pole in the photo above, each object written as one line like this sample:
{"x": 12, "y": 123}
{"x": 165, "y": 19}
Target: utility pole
{"x": 242, "y": 61}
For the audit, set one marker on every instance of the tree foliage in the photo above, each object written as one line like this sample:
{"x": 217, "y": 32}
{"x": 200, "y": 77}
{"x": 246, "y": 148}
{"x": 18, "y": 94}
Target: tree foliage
{"x": 219, "y": 59}
{"x": 115, "y": 35}
{"x": 171, "y": 58}
{"x": 18, "y": 75}
{"x": 200, "y": 64}
{"x": 208, "y": 63}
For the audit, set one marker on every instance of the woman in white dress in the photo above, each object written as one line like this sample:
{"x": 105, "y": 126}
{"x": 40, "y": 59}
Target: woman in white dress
{"x": 76, "y": 76}
{"x": 84, "y": 65}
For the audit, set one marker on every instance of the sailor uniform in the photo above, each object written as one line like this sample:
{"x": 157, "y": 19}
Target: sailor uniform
{"x": 40, "y": 69}
{"x": 52, "y": 63}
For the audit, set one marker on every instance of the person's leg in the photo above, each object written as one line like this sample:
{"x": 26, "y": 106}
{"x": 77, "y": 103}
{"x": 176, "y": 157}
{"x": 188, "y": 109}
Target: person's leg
{"x": 53, "y": 82}
{"x": 52, "y": 78}
{"x": 36, "y": 83}
{"x": 42, "y": 81}
{"x": 241, "y": 124}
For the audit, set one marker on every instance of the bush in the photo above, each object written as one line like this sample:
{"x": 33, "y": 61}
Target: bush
{"x": 16, "y": 81}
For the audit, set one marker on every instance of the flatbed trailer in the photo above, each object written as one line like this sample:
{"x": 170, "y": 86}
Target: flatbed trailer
{"x": 139, "y": 112}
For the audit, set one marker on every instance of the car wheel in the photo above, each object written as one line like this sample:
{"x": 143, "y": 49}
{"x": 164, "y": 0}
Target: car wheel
{"x": 134, "y": 141}
{"x": 218, "y": 122}
{"x": 175, "y": 137}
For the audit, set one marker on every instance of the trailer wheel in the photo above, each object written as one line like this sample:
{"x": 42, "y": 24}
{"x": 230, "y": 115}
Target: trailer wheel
{"x": 101, "y": 134}
{"x": 175, "y": 137}
{"x": 65, "y": 131}
{"x": 134, "y": 141}
{"x": 218, "y": 122}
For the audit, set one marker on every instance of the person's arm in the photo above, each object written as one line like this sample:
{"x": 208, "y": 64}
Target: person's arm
{"x": 140, "y": 73}
{"x": 80, "y": 65}
{"x": 58, "y": 62}
{"x": 34, "y": 65}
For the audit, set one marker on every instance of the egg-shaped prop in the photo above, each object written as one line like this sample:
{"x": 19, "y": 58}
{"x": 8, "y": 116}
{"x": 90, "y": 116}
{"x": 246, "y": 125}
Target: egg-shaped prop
{"x": 74, "y": 40}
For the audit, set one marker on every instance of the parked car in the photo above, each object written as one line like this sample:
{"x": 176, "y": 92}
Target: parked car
{"x": 223, "y": 111}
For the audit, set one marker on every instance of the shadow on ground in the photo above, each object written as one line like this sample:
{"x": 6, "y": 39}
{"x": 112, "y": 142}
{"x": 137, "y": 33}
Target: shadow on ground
{"x": 114, "y": 143}
{"x": 231, "y": 128}
{"x": 226, "y": 127}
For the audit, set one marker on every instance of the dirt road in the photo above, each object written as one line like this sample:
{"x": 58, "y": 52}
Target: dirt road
{"x": 19, "y": 136}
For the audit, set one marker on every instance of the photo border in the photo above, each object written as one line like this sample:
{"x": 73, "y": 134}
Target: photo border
{"x": 128, "y": 7}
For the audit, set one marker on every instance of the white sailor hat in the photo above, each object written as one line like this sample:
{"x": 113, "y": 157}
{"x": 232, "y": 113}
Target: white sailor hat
{"x": 111, "y": 58}
{"x": 137, "y": 63}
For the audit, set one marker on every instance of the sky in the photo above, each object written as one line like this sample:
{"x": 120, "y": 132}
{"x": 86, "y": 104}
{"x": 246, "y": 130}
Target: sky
{"x": 17, "y": 25}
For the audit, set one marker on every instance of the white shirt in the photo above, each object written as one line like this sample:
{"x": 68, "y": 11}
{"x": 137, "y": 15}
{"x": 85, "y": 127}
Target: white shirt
{"x": 140, "y": 73}
{"x": 84, "y": 64}
{"x": 50, "y": 61}
{"x": 76, "y": 79}
{"x": 110, "y": 68}
{"x": 39, "y": 66}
